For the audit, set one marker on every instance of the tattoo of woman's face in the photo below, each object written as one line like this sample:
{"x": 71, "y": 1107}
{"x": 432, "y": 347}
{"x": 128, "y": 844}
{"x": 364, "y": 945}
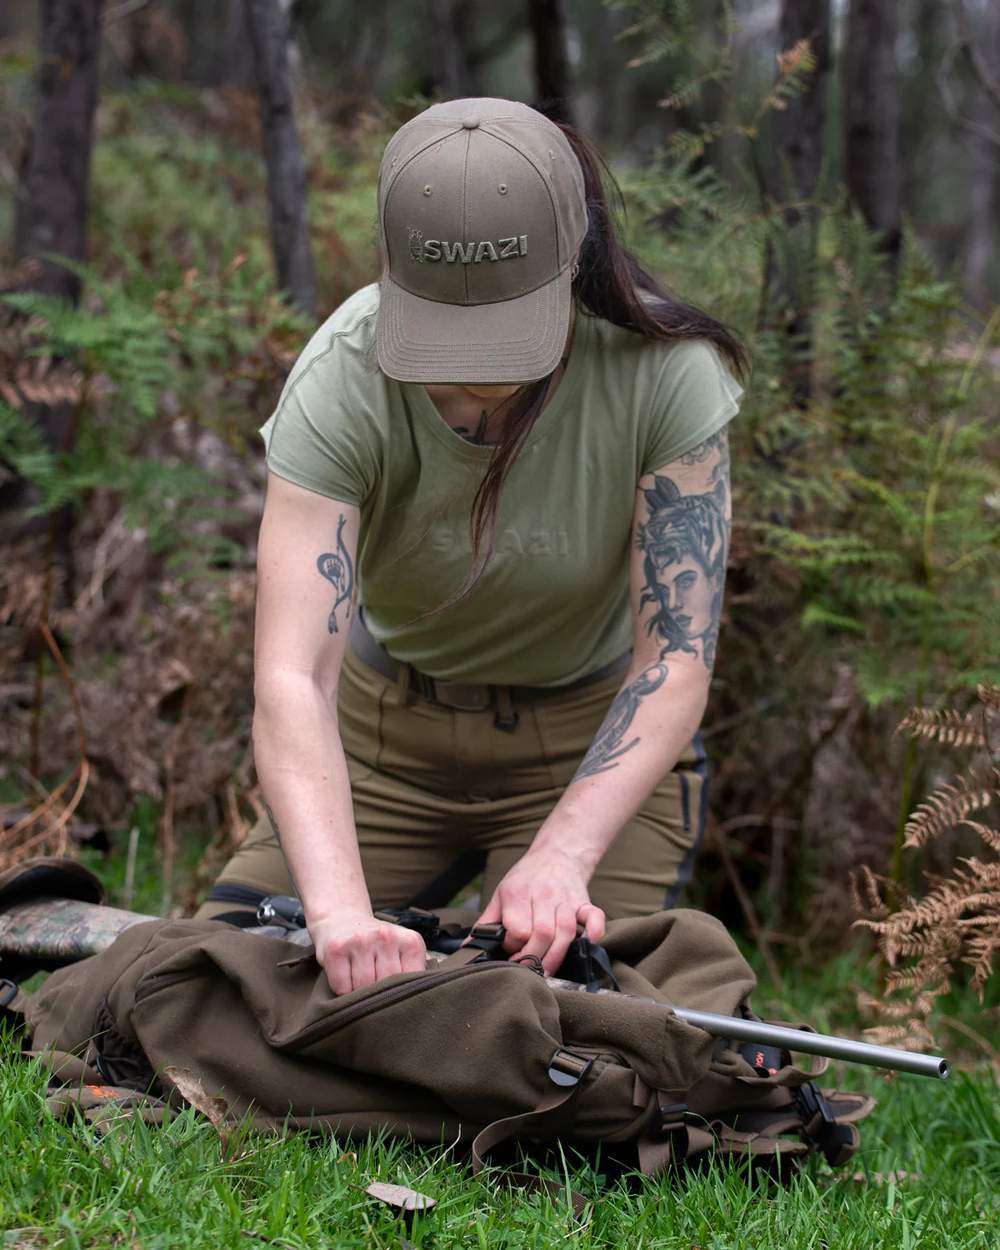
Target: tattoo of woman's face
{"x": 684, "y": 542}
{"x": 336, "y": 567}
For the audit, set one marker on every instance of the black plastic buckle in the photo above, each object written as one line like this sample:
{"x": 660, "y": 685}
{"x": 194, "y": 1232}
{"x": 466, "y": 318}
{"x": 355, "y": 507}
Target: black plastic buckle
{"x": 567, "y": 1069}
{"x": 589, "y": 964}
{"x": 488, "y": 938}
{"x": 835, "y": 1140}
{"x": 812, "y": 1103}
{"x": 672, "y": 1116}
{"x": 8, "y": 992}
{"x": 426, "y": 923}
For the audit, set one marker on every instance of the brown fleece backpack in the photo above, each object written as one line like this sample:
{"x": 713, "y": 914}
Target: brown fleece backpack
{"x": 473, "y": 1050}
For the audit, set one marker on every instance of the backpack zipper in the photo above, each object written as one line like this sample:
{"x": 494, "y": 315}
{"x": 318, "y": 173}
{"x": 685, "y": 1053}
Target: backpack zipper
{"x": 322, "y": 1029}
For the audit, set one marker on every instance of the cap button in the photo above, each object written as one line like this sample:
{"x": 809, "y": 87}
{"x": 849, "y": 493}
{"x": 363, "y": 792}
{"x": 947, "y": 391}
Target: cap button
{"x": 470, "y": 123}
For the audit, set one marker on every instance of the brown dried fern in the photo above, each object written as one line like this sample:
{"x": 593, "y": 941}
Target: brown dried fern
{"x": 951, "y": 805}
{"x": 955, "y": 729}
{"x": 957, "y": 922}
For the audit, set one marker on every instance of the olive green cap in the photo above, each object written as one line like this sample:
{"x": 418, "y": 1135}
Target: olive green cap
{"x": 482, "y": 211}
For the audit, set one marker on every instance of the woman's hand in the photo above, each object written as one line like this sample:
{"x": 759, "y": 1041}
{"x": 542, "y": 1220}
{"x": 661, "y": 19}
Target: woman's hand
{"x": 540, "y": 902}
{"x": 358, "y": 950}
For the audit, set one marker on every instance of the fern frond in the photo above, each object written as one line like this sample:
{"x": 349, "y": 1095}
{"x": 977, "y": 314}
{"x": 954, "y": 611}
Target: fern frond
{"x": 980, "y": 957}
{"x": 922, "y": 978}
{"x": 950, "y": 804}
{"x": 866, "y": 895}
{"x": 914, "y": 1035}
{"x": 990, "y": 836}
{"x": 945, "y": 725}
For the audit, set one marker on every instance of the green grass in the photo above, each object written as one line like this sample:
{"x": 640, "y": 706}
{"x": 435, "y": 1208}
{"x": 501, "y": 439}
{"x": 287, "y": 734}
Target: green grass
{"x": 927, "y": 1175}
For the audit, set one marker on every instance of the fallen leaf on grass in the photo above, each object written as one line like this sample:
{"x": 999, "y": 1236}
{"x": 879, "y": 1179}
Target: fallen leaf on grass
{"x": 885, "y": 1178}
{"x": 402, "y": 1199}
{"x": 32, "y": 1238}
{"x": 190, "y": 1088}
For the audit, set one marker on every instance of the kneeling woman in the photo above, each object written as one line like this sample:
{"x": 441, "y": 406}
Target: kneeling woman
{"x": 491, "y": 563}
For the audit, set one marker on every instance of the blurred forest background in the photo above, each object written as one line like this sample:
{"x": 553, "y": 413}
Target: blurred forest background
{"x": 185, "y": 189}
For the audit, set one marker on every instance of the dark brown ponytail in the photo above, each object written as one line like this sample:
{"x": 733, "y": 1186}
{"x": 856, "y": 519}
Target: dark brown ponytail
{"x": 609, "y": 283}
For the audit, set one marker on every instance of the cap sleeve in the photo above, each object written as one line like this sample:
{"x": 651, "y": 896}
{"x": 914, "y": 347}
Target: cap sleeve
{"x": 695, "y": 395}
{"x": 321, "y": 435}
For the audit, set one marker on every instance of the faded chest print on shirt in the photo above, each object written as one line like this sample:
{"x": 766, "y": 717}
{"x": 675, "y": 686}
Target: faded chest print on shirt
{"x": 446, "y": 540}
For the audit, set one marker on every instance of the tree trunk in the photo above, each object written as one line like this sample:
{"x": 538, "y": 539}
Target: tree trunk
{"x": 798, "y": 137}
{"x": 871, "y": 120}
{"x": 218, "y": 45}
{"x": 52, "y": 213}
{"x": 452, "y": 66}
{"x": 286, "y": 174}
{"x": 979, "y": 275}
{"x": 51, "y": 216}
{"x": 552, "y": 76}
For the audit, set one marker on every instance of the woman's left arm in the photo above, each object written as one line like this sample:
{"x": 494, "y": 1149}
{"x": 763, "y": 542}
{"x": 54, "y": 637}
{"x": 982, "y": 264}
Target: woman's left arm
{"x": 680, "y": 540}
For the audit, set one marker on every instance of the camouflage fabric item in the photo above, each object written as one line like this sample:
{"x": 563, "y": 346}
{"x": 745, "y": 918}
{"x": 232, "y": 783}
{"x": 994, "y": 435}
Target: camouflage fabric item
{"x": 25, "y": 884}
{"x": 61, "y": 929}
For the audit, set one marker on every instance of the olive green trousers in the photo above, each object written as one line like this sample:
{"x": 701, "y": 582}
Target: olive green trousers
{"x": 441, "y": 794}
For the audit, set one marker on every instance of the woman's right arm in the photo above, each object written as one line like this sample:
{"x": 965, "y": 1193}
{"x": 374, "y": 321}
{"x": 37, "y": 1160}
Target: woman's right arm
{"x": 305, "y": 597}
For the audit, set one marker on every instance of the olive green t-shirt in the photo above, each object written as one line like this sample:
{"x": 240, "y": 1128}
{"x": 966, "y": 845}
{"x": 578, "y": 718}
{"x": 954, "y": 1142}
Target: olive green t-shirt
{"x": 552, "y": 604}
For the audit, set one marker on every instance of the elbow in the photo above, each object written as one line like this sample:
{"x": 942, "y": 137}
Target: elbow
{"x": 283, "y": 698}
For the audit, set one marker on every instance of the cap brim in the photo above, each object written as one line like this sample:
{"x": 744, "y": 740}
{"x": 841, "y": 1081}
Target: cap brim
{"x": 517, "y": 340}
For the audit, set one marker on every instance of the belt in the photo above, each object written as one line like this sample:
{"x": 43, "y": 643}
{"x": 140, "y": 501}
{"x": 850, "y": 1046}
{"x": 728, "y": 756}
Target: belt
{"x": 461, "y": 696}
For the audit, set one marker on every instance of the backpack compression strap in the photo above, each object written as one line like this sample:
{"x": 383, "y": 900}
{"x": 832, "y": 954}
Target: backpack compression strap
{"x": 553, "y": 1117}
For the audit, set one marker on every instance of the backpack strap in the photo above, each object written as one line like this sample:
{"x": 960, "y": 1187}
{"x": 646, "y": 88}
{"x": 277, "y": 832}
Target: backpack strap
{"x": 552, "y": 1117}
{"x": 670, "y": 1136}
{"x": 12, "y": 1004}
{"x": 829, "y": 1123}
{"x": 808, "y": 1121}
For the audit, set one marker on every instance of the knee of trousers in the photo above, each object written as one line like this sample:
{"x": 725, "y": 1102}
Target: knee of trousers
{"x": 257, "y": 866}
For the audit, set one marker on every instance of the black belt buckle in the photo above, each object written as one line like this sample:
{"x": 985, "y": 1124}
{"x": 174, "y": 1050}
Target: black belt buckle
{"x": 459, "y": 696}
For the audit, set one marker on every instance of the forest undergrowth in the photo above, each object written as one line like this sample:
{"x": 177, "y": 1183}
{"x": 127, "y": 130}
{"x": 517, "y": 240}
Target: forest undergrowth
{"x": 862, "y": 578}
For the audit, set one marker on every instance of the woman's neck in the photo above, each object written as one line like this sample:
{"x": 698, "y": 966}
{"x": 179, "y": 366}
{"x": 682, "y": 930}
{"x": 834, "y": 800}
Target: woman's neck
{"x": 469, "y": 408}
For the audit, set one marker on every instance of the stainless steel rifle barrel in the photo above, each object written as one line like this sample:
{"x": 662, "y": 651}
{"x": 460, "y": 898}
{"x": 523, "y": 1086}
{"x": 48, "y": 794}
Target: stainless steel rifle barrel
{"x": 64, "y": 929}
{"x": 815, "y": 1043}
